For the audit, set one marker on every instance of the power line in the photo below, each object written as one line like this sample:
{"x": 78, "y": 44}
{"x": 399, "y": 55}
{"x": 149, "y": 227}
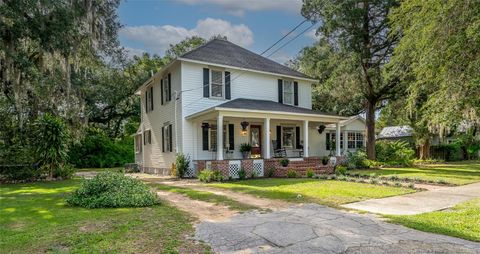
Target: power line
{"x": 294, "y": 38}
{"x": 291, "y": 31}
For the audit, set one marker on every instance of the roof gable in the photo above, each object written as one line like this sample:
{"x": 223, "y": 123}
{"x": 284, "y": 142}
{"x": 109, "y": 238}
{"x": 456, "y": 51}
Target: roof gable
{"x": 223, "y": 52}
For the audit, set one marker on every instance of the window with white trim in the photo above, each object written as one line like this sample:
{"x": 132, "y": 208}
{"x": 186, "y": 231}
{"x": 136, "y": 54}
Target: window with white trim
{"x": 147, "y": 137}
{"x": 166, "y": 89}
{"x": 355, "y": 140}
{"x": 288, "y": 136}
{"x": 167, "y": 138}
{"x": 331, "y": 140}
{"x": 288, "y": 92}
{"x": 213, "y": 137}
{"x": 216, "y": 84}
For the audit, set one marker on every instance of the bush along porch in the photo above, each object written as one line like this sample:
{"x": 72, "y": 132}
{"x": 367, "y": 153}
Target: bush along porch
{"x": 275, "y": 167}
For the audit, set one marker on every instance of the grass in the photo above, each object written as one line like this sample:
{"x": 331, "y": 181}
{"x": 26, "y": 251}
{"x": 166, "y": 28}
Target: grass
{"x": 457, "y": 173}
{"x": 207, "y": 197}
{"x": 35, "y": 219}
{"x": 332, "y": 193}
{"x": 461, "y": 221}
{"x": 98, "y": 169}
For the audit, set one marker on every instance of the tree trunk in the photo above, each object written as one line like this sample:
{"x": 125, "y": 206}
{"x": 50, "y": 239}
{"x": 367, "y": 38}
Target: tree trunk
{"x": 370, "y": 121}
{"x": 425, "y": 150}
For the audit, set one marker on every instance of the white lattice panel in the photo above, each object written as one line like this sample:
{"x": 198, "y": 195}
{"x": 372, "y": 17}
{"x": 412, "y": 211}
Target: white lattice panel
{"x": 208, "y": 165}
{"x": 233, "y": 168}
{"x": 258, "y": 167}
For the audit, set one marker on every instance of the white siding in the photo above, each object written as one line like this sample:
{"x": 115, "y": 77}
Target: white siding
{"x": 244, "y": 84}
{"x": 155, "y": 120}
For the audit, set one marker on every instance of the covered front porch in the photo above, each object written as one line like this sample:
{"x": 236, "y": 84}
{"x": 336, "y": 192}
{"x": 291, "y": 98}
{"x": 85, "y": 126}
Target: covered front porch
{"x": 272, "y": 130}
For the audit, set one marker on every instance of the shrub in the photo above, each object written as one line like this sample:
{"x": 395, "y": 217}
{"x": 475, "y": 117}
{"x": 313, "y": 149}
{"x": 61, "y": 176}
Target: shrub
{"x": 332, "y": 177}
{"x": 397, "y": 184}
{"x": 63, "y": 172}
{"x": 242, "y": 174}
{"x": 97, "y": 150}
{"x": 310, "y": 173}
{"x": 19, "y": 172}
{"x": 253, "y": 174}
{"x": 182, "y": 164}
{"x": 217, "y": 176}
{"x": 357, "y": 159}
{"x": 394, "y": 153}
{"x": 109, "y": 189}
{"x": 284, "y": 162}
{"x": 340, "y": 170}
{"x": 52, "y": 143}
{"x": 342, "y": 178}
{"x": 373, "y": 181}
{"x": 325, "y": 160}
{"x": 271, "y": 172}
{"x": 322, "y": 176}
{"x": 441, "y": 181}
{"x": 205, "y": 175}
{"x": 292, "y": 173}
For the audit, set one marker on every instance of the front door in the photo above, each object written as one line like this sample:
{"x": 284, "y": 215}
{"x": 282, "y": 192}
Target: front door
{"x": 256, "y": 140}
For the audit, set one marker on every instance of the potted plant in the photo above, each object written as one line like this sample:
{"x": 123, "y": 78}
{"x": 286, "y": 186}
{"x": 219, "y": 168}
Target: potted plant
{"x": 245, "y": 148}
{"x": 284, "y": 162}
{"x": 325, "y": 160}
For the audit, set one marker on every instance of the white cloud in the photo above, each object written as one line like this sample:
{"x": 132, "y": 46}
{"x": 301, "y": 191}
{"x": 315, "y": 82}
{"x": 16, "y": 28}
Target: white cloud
{"x": 157, "y": 39}
{"x": 238, "y": 7}
{"x": 312, "y": 34}
{"x": 131, "y": 52}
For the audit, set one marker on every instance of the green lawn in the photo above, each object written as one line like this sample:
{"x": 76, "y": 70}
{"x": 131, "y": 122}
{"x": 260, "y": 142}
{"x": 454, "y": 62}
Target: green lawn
{"x": 35, "y": 219}
{"x": 459, "y": 173}
{"x": 207, "y": 197}
{"x": 461, "y": 221}
{"x": 329, "y": 192}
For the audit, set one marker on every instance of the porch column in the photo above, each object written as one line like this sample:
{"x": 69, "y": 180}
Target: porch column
{"x": 305, "y": 138}
{"x": 219, "y": 137}
{"x": 337, "y": 140}
{"x": 345, "y": 142}
{"x": 266, "y": 139}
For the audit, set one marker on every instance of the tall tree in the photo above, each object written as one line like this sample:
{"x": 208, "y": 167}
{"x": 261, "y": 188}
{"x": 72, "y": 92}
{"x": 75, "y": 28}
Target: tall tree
{"x": 359, "y": 32}
{"x": 438, "y": 58}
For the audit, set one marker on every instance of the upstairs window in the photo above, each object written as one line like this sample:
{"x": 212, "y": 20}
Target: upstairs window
{"x": 216, "y": 84}
{"x": 149, "y": 99}
{"x": 288, "y": 92}
{"x": 166, "y": 88}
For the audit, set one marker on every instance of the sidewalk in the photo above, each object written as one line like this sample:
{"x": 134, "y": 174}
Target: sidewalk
{"x": 420, "y": 202}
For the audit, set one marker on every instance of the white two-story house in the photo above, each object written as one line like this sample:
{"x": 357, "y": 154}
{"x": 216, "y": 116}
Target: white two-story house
{"x": 209, "y": 101}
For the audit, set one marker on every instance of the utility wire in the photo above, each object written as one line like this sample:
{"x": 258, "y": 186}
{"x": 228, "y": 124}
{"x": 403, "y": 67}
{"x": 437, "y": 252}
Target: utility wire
{"x": 291, "y": 31}
{"x": 294, "y": 38}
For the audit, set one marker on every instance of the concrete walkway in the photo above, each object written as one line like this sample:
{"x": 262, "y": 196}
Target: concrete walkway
{"x": 314, "y": 228}
{"x": 420, "y": 202}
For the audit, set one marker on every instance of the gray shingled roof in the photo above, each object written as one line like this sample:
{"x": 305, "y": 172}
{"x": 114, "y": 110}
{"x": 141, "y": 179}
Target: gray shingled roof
{"x": 250, "y": 104}
{"x": 396, "y": 132}
{"x": 226, "y": 53}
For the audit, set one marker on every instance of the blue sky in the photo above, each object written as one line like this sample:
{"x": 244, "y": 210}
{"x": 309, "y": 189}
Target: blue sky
{"x": 150, "y": 26}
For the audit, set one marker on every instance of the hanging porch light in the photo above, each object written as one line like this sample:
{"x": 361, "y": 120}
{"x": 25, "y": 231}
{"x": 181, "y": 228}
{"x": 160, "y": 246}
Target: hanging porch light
{"x": 244, "y": 125}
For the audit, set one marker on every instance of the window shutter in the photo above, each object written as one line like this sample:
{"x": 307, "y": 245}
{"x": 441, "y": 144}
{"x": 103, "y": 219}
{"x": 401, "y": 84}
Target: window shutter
{"x": 295, "y": 93}
{"x": 205, "y": 139}
{"x": 169, "y": 87}
{"x": 227, "y": 86}
{"x": 327, "y": 140}
{"x": 163, "y": 139}
{"x": 170, "y": 137}
{"x": 231, "y": 136}
{"x": 297, "y": 137}
{"x": 146, "y": 101}
{"x": 151, "y": 98}
{"x": 280, "y": 91}
{"x": 279, "y": 137}
{"x": 206, "y": 83}
{"x": 161, "y": 88}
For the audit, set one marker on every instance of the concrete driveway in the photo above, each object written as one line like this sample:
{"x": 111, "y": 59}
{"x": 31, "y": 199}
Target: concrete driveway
{"x": 313, "y": 228}
{"x": 419, "y": 202}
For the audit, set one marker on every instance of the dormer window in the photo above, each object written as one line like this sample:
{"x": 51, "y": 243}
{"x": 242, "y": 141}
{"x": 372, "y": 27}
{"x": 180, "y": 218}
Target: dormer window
{"x": 288, "y": 92}
{"x": 216, "y": 84}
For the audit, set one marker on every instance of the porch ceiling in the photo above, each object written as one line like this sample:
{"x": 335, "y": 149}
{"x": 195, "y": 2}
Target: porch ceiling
{"x": 265, "y": 109}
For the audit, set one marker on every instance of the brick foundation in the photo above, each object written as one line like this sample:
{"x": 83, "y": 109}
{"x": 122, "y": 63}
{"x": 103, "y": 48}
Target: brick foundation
{"x": 300, "y": 165}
